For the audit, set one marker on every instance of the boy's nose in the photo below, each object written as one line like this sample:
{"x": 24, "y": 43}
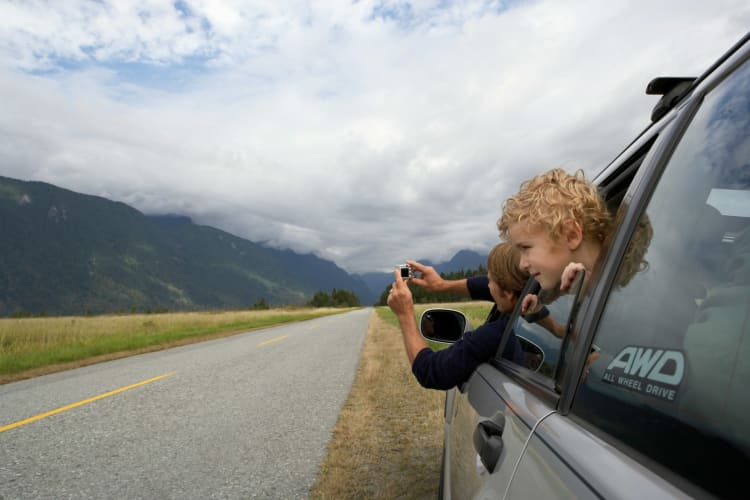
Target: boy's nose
{"x": 523, "y": 264}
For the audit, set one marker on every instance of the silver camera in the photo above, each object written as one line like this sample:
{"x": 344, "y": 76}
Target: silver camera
{"x": 406, "y": 271}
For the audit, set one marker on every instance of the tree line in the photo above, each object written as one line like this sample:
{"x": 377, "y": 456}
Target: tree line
{"x": 337, "y": 298}
{"x": 422, "y": 296}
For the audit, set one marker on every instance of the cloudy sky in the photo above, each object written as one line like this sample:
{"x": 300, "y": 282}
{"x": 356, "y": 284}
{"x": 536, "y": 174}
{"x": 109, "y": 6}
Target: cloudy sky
{"x": 366, "y": 132}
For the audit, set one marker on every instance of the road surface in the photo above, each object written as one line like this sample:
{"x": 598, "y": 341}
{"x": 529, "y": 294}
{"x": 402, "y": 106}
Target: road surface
{"x": 246, "y": 416}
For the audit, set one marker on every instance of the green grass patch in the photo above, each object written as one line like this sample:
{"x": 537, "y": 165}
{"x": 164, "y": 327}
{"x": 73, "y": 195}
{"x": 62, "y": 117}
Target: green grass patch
{"x": 32, "y": 343}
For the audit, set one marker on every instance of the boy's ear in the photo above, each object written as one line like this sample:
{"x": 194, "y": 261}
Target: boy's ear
{"x": 573, "y": 234}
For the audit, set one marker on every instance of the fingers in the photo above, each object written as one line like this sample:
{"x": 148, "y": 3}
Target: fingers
{"x": 569, "y": 274}
{"x": 391, "y": 300}
{"x": 399, "y": 284}
{"x": 397, "y": 274}
{"x": 399, "y": 296}
{"x": 423, "y": 269}
{"x": 529, "y": 303}
{"x": 427, "y": 278}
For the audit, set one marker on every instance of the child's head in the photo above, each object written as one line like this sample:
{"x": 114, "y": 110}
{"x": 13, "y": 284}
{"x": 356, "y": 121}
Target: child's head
{"x": 552, "y": 219}
{"x": 506, "y": 278}
{"x": 551, "y": 201}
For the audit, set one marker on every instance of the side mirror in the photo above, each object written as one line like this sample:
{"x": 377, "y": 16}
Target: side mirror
{"x": 443, "y": 325}
{"x": 534, "y": 354}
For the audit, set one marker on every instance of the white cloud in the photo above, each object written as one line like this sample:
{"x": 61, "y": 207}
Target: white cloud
{"x": 366, "y": 132}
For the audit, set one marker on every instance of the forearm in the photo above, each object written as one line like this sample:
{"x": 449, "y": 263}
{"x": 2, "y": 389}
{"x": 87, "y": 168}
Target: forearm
{"x": 401, "y": 303}
{"x": 455, "y": 286}
{"x": 553, "y": 326}
{"x": 413, "y": 341}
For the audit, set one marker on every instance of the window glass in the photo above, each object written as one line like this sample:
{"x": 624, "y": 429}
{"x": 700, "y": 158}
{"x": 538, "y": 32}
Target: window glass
{"x": 541, "y": 340}
{"x": 542, "y": 345}
{"x": 671, "y": 357}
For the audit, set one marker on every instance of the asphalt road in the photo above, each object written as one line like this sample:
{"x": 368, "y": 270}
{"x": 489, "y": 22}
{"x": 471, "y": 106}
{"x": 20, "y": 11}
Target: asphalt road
{"x": 247, "y": 416}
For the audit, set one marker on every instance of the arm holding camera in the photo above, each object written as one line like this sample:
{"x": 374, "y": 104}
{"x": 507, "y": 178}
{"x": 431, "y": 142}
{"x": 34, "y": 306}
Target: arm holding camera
{"x": 402, "y": 304}
{"x": 448, "y": 367}
{"x": 429, "y": 279}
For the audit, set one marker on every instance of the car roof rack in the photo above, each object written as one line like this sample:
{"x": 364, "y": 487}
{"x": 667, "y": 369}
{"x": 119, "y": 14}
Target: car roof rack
{"x": 672, "y": 89}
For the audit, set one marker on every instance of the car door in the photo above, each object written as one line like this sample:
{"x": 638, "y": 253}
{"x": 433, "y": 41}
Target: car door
{"x": 490, "y": 423}
{"x": 490, "y": 419}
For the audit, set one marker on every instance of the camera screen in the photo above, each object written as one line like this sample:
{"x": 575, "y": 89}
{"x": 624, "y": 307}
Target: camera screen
{"x": 404, "y": 272}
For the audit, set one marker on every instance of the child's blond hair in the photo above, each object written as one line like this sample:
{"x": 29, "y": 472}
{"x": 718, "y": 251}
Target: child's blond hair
{"x": 550, "y": 200}
{"x": 503, "y": 267}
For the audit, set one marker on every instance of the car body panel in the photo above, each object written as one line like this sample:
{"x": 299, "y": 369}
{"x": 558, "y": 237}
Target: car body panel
{"x": 562, "y": 461}
{"x": 487, "y": 392}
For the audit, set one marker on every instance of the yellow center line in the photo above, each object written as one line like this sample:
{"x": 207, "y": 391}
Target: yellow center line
{"x": 272, "y": 340}
{"x": 80, "y": 403}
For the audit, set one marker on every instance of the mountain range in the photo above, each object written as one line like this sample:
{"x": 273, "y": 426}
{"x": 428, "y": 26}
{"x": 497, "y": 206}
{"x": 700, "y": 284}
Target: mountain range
{"x": 63, "y": 252}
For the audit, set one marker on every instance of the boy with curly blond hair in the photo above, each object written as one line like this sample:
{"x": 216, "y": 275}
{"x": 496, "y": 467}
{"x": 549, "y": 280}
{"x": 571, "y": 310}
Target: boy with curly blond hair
{"x": 558, "y": 222}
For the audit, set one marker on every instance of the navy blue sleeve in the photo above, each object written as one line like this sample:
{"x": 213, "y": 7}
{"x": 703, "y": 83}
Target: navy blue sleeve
{"x": 479, "y": 288}
{"x": 454, "y": 365}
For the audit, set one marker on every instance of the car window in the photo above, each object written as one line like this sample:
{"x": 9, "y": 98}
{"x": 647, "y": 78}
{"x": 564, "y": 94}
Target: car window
{"x": 671, "y": 356}
{"x": 540, "y": 345}
{"x": 543, "y": 341}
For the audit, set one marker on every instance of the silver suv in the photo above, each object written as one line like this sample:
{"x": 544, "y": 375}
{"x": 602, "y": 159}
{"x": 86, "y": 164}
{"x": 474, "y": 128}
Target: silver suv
{"x": 648, "y": 393}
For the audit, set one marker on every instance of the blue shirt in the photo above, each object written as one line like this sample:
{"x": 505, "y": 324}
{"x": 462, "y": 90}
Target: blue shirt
{"x": 454, "y": 365}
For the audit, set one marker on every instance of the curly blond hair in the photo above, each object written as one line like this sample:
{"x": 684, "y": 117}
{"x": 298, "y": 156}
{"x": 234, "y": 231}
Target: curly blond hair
{"x": 550, "y": 200}
{"x": 503, "y": 267}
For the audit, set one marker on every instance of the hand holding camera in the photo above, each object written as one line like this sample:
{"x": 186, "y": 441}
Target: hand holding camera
{"x": 407, "y": 272}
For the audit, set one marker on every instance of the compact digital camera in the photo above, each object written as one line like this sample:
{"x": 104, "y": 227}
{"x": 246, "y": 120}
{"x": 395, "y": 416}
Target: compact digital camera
{"x": 406, "y": 271}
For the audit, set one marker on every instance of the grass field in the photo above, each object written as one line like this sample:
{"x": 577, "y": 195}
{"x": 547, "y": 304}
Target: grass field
{"x": 33, "y": 346}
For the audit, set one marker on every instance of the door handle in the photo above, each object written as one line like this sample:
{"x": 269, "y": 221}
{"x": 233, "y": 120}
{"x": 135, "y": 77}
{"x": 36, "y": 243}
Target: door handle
{"x": 488, "y": 440}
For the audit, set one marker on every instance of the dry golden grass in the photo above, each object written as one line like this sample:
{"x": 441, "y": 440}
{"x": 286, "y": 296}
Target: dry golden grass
{"x": 35, "y": 346}
{"x": 26, "y": 333}
{"x": 388, "y": 441}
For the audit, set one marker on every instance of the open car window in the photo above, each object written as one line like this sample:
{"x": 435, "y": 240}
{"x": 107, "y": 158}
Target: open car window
{"x": 540, "y": 342}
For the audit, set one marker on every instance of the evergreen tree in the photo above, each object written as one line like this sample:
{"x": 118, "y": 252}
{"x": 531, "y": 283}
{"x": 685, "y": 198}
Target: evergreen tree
{"x": 337, "y": 298}
{"x": 260, "y": 305}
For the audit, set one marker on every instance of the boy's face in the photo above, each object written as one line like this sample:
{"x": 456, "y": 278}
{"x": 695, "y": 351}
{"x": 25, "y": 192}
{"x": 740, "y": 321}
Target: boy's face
{"x": 541, "y": 256}
{"x": 505, "y": 300}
